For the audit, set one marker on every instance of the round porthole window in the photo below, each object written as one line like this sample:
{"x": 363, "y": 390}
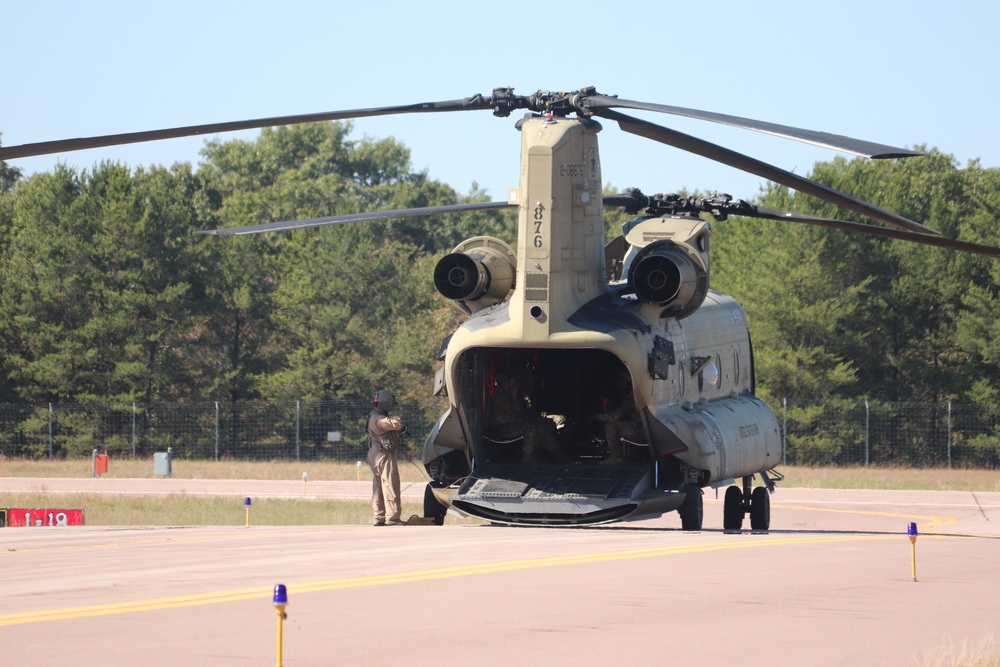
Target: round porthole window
{"x": 709, "y": 377}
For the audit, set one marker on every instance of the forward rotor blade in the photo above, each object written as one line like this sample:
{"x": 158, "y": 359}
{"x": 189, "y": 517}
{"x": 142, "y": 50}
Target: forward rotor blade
{"x": 824, "y": 139}
{"x": 64, "y": 145}
{"x": 936, "y": 241}
{"x": 748, "y": 164}
{"x": 358, "y": 217}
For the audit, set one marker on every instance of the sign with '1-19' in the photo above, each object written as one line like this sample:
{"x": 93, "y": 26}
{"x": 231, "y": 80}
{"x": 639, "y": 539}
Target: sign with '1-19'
{"x": 17, "y": 516}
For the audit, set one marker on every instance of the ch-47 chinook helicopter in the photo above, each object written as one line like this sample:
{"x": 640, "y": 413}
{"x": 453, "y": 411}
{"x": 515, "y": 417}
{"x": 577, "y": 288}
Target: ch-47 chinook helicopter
{"x": 584, "y": 328}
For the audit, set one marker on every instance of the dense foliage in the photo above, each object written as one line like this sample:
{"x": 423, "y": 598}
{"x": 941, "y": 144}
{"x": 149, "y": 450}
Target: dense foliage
{"x": 839, "y": 315}
{"x": 108, "y": 294}
{"x": 843, "y": 318}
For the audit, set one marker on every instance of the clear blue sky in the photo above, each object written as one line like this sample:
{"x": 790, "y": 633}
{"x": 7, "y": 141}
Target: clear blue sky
{"x": 900, "y": 73}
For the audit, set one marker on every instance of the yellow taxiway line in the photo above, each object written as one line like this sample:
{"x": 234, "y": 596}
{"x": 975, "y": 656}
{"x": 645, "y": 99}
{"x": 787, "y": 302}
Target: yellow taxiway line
{"x": 235, "y": 595}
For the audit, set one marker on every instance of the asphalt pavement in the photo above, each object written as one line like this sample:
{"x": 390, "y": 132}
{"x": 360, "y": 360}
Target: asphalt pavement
{"x": 830, "y": 584}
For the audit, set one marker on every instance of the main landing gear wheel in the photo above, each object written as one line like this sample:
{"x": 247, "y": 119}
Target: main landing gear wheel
{"x": 760, "y": 509}
{"x": 732, "y": 509}
{"x": 432, "y": 508}
{"x": 692, "y": 511}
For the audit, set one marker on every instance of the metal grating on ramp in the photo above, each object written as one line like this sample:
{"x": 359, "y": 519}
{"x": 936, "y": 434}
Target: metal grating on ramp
{"x": 502, "y": 488}
{"x": 587, "y": 488}
{"x": 553, "y": 482}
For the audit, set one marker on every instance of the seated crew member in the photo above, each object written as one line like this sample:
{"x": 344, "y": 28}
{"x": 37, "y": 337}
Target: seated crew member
{"x": 509, "y": 418}
{"x": 622, "y": 422}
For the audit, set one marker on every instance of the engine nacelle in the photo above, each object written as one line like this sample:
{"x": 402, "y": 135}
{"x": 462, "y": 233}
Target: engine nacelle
{"x": 668, "y": 263}
{"x": 478, "y": 273}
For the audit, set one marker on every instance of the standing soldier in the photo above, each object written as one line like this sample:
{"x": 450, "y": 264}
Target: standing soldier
{"x": 384, "y": 428}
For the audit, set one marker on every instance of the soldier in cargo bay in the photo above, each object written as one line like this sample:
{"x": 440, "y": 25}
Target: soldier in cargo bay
{"x": 510, "y": 418}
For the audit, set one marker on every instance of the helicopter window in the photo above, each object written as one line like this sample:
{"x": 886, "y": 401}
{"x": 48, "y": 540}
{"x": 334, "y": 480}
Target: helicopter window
{"x": 702, "y": 242}
{"x": 708, "y": 377}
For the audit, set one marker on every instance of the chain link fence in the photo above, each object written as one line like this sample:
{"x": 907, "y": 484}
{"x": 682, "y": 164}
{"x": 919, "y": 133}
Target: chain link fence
{"x": 889, "y": 434}
{"x": 813, "y": 433}
{"x": 300, "y": 430}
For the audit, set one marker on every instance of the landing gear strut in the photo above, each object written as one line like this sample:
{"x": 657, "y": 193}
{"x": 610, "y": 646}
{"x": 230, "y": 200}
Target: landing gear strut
{"x": 738, "y": 503}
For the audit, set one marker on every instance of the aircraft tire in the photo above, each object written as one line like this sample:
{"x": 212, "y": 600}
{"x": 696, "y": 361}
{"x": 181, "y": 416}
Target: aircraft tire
{"x": 760, "y": 509}
{"x": 732, "y": 509}
{"x": 432, "y": 508}
{"x": 692, "y": 511}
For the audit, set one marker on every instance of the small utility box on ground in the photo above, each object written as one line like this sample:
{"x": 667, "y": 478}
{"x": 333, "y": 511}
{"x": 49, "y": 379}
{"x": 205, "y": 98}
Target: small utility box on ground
{"x": 100, "y": 463}
{"x": 161, "y": 463}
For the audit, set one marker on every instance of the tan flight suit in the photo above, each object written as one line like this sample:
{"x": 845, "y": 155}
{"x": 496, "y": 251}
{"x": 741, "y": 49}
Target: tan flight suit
{"x": 383, "y": 442}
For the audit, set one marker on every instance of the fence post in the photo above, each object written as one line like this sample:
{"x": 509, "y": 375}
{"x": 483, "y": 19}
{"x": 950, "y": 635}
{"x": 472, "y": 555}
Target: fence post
{"x": 784, "y": 431}
{"x": 949, "y": 434}
{"x": 216, "y": 430}
{"x": 867, "y": 431}
{"x": 133, "y": 430}
{"x": 298, "y": 425}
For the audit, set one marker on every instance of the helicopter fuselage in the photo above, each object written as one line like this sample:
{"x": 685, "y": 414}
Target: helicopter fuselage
{"x": 566, "y": 335}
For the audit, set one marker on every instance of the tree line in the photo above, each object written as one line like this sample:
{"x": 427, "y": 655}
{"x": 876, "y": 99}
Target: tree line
{"x": 108, "y": 294}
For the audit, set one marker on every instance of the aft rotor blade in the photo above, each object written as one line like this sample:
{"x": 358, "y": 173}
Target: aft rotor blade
{"x": 824, "y": 139}
{"x": 358, "y": 217}
{"x": 748, "y": 164}
{"x": 884, "y": 232}
{"x": 65, "y": 145}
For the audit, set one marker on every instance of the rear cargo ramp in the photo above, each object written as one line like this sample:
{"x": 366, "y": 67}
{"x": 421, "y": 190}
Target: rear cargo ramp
{"x": 562, "y": 494}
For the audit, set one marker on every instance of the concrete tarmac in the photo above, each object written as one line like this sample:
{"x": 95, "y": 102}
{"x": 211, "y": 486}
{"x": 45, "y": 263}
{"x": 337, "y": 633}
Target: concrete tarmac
{"x": 830, "y": 584}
